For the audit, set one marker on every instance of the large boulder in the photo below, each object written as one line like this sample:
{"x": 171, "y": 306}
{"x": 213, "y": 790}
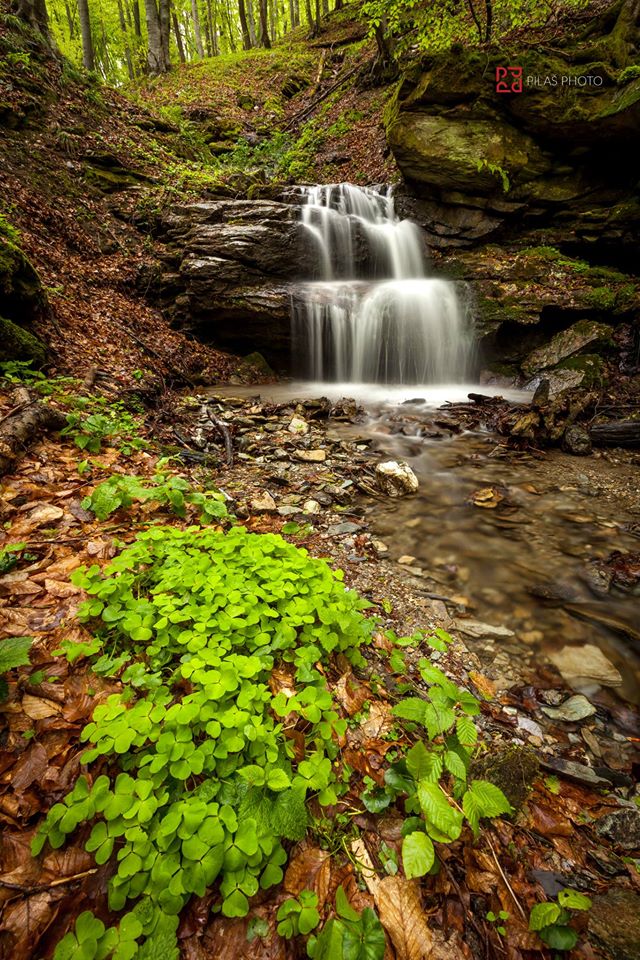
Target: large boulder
{"x": 567, "y": 343}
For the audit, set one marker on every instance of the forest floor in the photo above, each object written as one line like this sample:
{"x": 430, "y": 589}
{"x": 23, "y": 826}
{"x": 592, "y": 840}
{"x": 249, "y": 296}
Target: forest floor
{"x": 84, "y": 182}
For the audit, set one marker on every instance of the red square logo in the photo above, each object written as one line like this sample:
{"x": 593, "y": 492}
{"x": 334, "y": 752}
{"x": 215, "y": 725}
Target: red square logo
{"x": 508, "y": 79}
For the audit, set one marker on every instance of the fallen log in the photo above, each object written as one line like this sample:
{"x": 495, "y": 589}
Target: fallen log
{"x": 23, "y": 427}
{"x": 618, "y": 433}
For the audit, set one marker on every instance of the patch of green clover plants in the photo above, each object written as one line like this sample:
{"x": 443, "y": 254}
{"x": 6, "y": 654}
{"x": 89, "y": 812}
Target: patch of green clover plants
{"x": 349, "y": 935}
{"x": 550, "y": 920}
{"x": 209, "y": 789}
{"x": 432, "y": 777}
{"x": 91, "y": 940}
{"x": 120, "y": 491}
{"x": 298, "y": 915}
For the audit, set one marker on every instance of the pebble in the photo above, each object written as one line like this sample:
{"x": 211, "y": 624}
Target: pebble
{"x": 264, "y": 503}
{"x": 311, "y": 456}
{"x": 311, "y": 506}
{"x": 406, "y": 559}
{"x": 288, "y": 511}
{"x": 298, "y": 426}
{"x": 347, "y": 527}
{"x": 379, "y": 546}
{"x": 396, "y": 478}
{"x": 477, "y": 629}
{"x": 573, "y": 709}
{"x": 585, "y": 665}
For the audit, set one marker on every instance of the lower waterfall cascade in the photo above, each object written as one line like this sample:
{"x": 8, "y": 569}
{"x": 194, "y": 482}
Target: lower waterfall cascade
{"x": 372, "y": 315}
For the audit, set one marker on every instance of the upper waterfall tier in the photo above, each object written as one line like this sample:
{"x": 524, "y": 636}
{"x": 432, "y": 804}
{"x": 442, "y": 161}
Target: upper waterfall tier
{"x": 401, "y": 327}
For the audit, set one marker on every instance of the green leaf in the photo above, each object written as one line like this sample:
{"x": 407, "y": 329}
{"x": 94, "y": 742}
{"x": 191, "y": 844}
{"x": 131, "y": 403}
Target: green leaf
{"x": 418, "y": 855}
{"x": 455, "y": 765}
{"x": 14, "y": 652}
{"x": 343, "y": 907}
{"x": 559, "y": 937}
{"x": 543, "y": 915}
{"x": 438, "y": 811}
{"x": 572, "y": 900}
{"x": 490, "y": 799}
{"x": 412, "y": 708}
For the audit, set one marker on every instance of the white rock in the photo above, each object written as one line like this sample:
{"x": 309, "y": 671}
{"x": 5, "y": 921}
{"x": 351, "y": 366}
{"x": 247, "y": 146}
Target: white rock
{"x": 406, "y": 560}
{"x": 264, "y": 503}
{"x": 396, "y": 478}
{"x": 298, "y": 426}
{"x": 311, "y": 506}
{"x": 584, "y": 666}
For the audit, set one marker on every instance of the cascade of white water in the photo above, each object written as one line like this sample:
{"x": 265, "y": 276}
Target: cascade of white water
{"x": 373, "y": 315}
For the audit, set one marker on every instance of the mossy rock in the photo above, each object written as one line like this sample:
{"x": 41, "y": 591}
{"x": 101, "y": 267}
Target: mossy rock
{"x": 16, "y": 343}
{"x": 589, "y": 364}
{"x": 567, "y": 343}
{"x": 20, "y": 287}
{"x": 512, "y": 768}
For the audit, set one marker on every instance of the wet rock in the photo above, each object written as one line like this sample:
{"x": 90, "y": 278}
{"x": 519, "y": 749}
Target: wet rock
{"x": 311, "y": 456}
{"x": 621, "y": 828}
{"x": 577, "y": 441}
{"x": 379, "y": 546}
{"x": 510, "y": 767}
{"x": 337, "y": 529}
{"x": 614, "y": 924}
{"x": 298, "y": 426}
{"x": 396, "y": 478}
{"x": 574, "y": 709}
{"x": 341, "y": 494}
{"x": 566, "y": 344}
{"x": 584, "y": 666}
{"x": 406, "y": 560}
{"x": 264, "y": 503}
{"x": 323, "y": 498}
{"x": 478, "y": 630}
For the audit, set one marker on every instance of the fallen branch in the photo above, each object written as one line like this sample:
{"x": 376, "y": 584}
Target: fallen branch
{"x": 23, "y": 428}
{"x": 619, "y": 433}
{"x": 223, "y": 429}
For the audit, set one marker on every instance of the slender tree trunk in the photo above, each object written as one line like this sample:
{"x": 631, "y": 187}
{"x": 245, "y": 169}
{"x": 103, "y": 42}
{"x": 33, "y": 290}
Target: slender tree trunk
{"x": 70, "y": 23}
{"x": 232, "y": 39}
{"x": 264, "y": 25}
{"x": 244, "y": 26}
{"x": 88, "y": 55}
{"x": 273, "y": 18}
{"x": 325, "y": 8}
{"x": 213, "y": 23}
{"x": 252, "y": 23}
{"x": 489, "y": 8}
{"x": 137, "y": 26}
{"x": 195, "y": 15}
{"x": 127, "y": 49}
{"x": 316, "y": 28}
{"x": 307, "y": 8}
{"x": 155, "y": 60}
{"x": 292, "y": 13}
{"x": 165, "y": 32}
{"x": 178, "y": 36}
{"x": 339, "y": 5}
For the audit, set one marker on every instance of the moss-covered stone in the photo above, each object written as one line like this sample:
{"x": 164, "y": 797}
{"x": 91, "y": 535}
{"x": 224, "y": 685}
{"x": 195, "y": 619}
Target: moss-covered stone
{"x": 511, "y": 768}
{"x": 567, "y": 343}
{"x": 17, "y": 343}
{"x": 20, "y": 287}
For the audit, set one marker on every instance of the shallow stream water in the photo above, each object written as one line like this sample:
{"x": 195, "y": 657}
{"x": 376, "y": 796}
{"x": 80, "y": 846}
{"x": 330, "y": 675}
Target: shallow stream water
{"x": 536, "y": 563}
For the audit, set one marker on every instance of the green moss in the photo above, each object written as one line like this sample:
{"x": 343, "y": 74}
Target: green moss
{"x": 511, "y": 768}
{"x": 18, "y": 344}
{"x": 590, "y": 364}
{"x": 601, "y": 298}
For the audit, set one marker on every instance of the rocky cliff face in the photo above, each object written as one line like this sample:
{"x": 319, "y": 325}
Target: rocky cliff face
{"x": 530, "y": 196}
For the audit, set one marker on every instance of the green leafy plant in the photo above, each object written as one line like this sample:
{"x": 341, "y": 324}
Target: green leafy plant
{"x": 115, "y": 425}
{"x": 499, "y": 921}
{"x": 210, "y": 786}
{"x": 298, "y": 915}
{"x": 11, "y": 555}
{"x": 14, "y": 652}
{"x": 348, "y": 936}
{"x": 120, "y": 491}
{"x": 550, "y": 920}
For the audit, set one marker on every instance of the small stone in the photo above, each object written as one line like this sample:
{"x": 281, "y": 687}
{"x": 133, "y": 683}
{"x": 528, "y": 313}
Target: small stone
{"x": 379, "y": 546}
{"x": 477, "y": 629}
{"x": 396, "y": 479}
{"x": 577, "y": 441}
{"x": 622, "y": 828}
{"x": 298, "y": 426}
{"x": 287, "y": 511}
{"x": 526, "y": 723}
{"x": 339, "y": 528}
{"x": 585, "y": 665}
{"x": 264, "y": 503}
{"x": 323, "y": 499}
{"x": 311, "y": 506}
{"x": 406, "y": 560}
{"x": 573, "y": 709}
{"x": 311, "y": 456}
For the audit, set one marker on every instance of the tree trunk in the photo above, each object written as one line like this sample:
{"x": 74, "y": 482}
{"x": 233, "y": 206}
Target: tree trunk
{"x": 489, "y": 27}
{"x": 137, "y": 26}
{"x": 252, "y": 23}
{"x": 244, "y": 26}
{"x": 339, "y": 5}
{"x": 127, "y": 50}
{"x": 264, "y": 25}
{"x": 164, "y": 14}
{"x": 88, "y": 55}
{"x": 195, "y": 15}
{"x": 155, "y": 59}
{"x": 33, "y": 12}
{"x": 232, "y": 39}
{"x": 316, "y": 25}
{"x": 178, "y": 36}
{"x": 71, "y": 24}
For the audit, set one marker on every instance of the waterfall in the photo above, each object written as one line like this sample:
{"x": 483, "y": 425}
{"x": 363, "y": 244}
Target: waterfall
{"x": 371, "y": 314}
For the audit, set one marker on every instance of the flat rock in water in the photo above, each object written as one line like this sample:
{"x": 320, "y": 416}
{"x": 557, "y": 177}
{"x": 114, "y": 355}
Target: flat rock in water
{"x": 477, "y": 629}
{"x": 573, "y": 709}
{"x": 584, "y": 665}
{"x": 396, "y": 478}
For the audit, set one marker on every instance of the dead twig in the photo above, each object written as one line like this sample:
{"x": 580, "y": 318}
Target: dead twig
{"x": 223, "y": 429}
